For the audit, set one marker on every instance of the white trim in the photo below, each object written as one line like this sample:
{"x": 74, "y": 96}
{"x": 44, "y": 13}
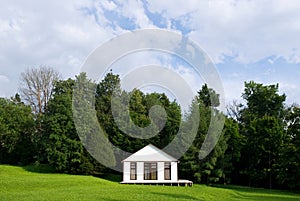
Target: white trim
{"x": 151, "y": 154}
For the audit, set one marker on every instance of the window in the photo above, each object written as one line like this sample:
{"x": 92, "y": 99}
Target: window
{"x": 167, "y": 171}
{"x": 150, "y": 171}
{"x": 132, "y": 171}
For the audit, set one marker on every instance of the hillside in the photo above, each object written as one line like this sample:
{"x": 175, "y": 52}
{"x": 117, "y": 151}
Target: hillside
{"x": 17, "y": 183}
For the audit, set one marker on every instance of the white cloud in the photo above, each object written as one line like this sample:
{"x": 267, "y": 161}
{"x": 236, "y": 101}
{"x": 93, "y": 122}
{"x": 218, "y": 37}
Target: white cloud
{"x": 135, "y": 10}
{"x": 56, "y": 34}
{"x": 292, "y": 92}
{"x": 4, "y": 83}
{"x": 131, "y": 9}
{"x": 176, "y": 9}
{"x": 255, "y": 31}
{"x": 4, "y": 79}
{"x": 62, "y": 34}
{"x": 252, "y": 30}
{"x": 109, "y": 5}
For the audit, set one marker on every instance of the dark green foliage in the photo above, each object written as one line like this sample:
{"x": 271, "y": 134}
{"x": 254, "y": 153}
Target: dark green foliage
{"x": 208, "y": 97}
{"x": 16, "y": 130}
{"x": 64, "y": 150}
{"x": 289, "y": 160}
{"x": 232, "y": 156}
{"x": 264, "y": 142}
{"x": 262, "y": 100}
{"x": 192, "y": 166}
{"x": 87, "y": 126}
{"x": 138, "y": 104}
{"x": 262, "y": 126}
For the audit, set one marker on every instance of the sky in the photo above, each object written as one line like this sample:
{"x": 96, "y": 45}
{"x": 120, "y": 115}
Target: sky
{"x": 246, "y": 40}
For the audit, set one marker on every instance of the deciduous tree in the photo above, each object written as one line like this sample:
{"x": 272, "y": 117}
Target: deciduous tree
{"x": 36, "y": 87}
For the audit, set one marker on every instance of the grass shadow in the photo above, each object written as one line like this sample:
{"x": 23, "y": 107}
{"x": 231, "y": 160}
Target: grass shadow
{"x": 172, "y": 196}
{"x": 244, "y": 192}
{"x": 41, "y": 168}
{"x": 46, "y": 169}
{"x": 111, "y": 177}
{"x": 251, "y": 189}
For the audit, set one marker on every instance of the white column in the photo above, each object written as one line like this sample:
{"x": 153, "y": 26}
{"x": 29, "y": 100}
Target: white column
{"x": 174, "y": 171}
{"x": 160, "y": 171}
{"x": 126, "y": 171}
{"x": 140, "y": 171}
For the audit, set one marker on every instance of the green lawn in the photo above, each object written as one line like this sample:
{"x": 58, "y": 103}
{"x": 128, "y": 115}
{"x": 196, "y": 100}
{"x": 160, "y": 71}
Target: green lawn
{"x": 18, "y": 183}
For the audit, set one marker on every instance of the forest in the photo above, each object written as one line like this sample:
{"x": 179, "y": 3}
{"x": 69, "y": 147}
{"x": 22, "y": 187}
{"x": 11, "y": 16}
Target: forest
{"x": 259, "y": 145}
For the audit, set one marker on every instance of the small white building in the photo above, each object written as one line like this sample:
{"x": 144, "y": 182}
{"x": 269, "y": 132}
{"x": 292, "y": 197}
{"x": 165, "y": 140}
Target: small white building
{"x": 152, "y": 166}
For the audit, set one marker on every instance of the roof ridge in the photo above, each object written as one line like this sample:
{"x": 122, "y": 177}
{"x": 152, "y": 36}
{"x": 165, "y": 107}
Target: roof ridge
{"x": 159, "y": 151}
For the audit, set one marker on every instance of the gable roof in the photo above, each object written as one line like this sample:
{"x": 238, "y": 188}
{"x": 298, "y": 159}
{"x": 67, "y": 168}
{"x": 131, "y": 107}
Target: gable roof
{"x": 150, "y": 153}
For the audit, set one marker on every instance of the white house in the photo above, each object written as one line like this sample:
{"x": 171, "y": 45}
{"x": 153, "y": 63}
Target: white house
{"x": 152, "y": 166}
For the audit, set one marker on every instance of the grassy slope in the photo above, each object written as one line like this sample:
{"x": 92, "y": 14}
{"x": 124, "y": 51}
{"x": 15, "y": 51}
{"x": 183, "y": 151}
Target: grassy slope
{"x": 18, "y": 184}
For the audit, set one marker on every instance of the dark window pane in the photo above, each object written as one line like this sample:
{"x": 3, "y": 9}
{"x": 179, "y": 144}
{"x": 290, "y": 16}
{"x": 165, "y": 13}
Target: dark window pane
{"x": 132, "y": 171}
{"x": 150, "y": 171}
{"x": 167, "y": 171}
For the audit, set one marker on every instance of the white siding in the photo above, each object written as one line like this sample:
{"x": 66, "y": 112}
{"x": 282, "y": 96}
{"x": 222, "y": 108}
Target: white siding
{"x": 153, "y": 155}
{"x": 160, "y": 171}
{"x": 140, "y": 171}
{"x": 126, "y": 171}
{"x": 174, "y": 173}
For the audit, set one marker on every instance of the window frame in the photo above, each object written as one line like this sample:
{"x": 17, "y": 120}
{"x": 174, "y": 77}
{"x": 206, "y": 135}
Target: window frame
{"x": 167, "y": 171}
{"x": 150, "y": 171}
{"x": 133, "y": 175}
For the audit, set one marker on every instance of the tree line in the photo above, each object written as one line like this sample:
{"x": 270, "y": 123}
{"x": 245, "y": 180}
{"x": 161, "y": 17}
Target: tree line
{"x": 259, "y": 145}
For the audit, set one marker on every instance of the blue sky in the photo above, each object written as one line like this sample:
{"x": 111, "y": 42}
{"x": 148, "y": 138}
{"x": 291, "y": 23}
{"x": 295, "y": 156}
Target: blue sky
{"x": 247, "y": 40}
